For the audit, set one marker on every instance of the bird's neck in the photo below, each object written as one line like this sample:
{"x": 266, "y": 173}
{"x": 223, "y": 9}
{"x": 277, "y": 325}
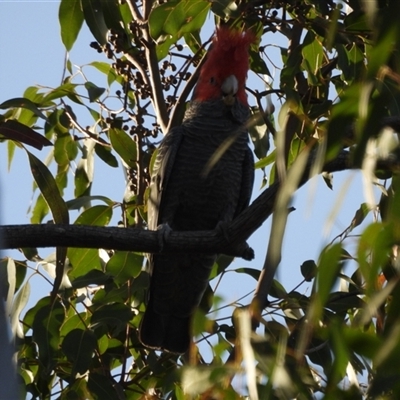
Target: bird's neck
{"x": 215, "y": 115}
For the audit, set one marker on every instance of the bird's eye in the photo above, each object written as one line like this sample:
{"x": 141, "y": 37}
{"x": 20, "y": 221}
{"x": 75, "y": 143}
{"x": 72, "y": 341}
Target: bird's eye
{"x": 212, "y": 80}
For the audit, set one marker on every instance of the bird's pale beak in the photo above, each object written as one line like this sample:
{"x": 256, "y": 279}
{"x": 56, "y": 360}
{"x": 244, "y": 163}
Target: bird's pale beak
{"x": 229, "y": 89}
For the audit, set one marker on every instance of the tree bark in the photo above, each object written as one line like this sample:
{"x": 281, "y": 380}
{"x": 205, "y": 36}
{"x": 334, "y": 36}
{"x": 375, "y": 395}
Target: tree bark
{"x": 230, "y": 240}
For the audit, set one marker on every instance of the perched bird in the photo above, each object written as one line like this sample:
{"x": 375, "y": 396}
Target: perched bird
{"x": 183, "y": 197}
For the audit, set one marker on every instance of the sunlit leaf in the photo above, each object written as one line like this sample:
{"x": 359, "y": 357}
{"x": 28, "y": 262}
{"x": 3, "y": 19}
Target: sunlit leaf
{"x": 124, "y": 145}
{"x": 65, "y": 149}
{"x": 360, "y": 215}
{"x": 19, "y": 303}
{"x": 83, "y": 261}
{"x": 224, "y": 8}
{"x": 313, "y": 57}
{"x": 175, "y": 18}
{"x": 71, "y": 18}
{"x": 95, "y": 216}
{"x": 66, "y": 89}
{"x": 21, "y": 102}
{"x": 124, "y": 265}
{"x": 94, "y": 18}
{"x": 328, "y": 268}
{"x": 48, "y": 188}
{"x": 40, "y": 210}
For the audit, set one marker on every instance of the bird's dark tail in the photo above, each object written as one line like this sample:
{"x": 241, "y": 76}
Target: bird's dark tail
{"x": 167, "y": 333}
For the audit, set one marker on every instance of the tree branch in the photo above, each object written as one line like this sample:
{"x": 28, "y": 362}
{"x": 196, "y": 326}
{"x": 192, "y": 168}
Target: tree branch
{"x": 207, "y": 242}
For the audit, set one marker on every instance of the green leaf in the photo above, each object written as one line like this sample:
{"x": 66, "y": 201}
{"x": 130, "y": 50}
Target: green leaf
{"x": 114, "y": 316}
{"x": 57, "y": 122}
{"x": 7, "y": 280}
{"x": 74, "y": 321}
{"x": 264, "y": 162}
{"x": 106, "y": 69}
{"x": 21, "y": 268}
{"x": 112, "y": 14}
{"x": 374, "y": 246}
{"x": 163, "y": 47}
{"x": 308, "y": 270}
{"x": 94, "y": 91}
{"x": 14, "y": 130}
{"x": 70, "y": 17}
{"x": 10, "y": 153}
{"x": 224, "y": 8}
{"x": 259, "y": 134}
{"x": 65, "y": 149}
{"x": 277, "y": 290}
{"x": 105, "y": 154}
{"x": 102, "y": 388}
{"x": 340, "y": 302}
{"x": 64, "y": 90}
{"x": 101, "y": 66}
{"x": 93, "y": 277}
{"x": 329, "y": 266}
{"x": 79, "y": 346}
{"x": 123, "y": 144}
{"x": 76, "y": 204}
{"x": 83, "y": 261}
{"x": 21, "y": 102}
{"x": 95, "y": 216}
{"x": 257, "y": 64}
{"x": 47, "y": 321}
{"x": 254, "y": 273}
{"x": 313, "y": 57}
{"x": 94, "y": 18}
{"x": 19, "y": 303}
{"x": 222, "y": 263}
{"x": 48, "y": 187}
{"x": 175, "y": 18}
{"x": 40, "y": 210}
{"x": 85, "y": 170}
{"x": 360, "y": 215}
{"x": 124, "y": 265}
{"x": 193, "y": 40}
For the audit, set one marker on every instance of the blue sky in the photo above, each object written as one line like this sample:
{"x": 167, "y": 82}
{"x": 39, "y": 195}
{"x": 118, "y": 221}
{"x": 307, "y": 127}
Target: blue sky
{"x": 32, "y": 53}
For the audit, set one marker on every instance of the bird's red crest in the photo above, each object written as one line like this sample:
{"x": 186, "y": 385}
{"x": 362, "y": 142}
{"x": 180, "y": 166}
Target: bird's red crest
{"x": 229, "y": 55}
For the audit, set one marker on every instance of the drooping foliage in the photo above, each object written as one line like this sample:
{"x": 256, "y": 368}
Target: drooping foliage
{"x": 338, "y": 77}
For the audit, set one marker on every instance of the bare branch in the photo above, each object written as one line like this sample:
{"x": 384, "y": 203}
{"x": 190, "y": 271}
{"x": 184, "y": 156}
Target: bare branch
{"x": 207, "y": 242}
{"x": 135, "y": 11}
{"x": 155, "y": 80}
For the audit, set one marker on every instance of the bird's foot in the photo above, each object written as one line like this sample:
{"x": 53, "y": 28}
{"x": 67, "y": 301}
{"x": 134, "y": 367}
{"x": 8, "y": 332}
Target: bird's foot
{"x": 245, "y": 251}
{"x": 163, "y": 230}
{"x": 222, "y": 228}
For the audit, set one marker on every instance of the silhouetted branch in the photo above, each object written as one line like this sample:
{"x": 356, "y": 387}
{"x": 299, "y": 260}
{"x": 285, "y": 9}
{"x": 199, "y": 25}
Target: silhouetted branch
{"x": 208, "y": 242}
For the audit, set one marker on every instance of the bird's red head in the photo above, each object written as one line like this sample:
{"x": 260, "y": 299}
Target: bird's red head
{"x": 225, "y": 71}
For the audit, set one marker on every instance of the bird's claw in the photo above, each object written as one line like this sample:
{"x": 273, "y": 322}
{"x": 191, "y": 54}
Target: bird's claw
{"x": 222, "y": 227}
{"x": 245, "y": 251}
{"x": 164, "y": 230}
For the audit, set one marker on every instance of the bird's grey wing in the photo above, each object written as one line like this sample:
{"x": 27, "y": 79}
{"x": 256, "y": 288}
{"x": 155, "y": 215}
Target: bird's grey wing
{"x": 162, "y": 168}
{"x": 246, "y": 187}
